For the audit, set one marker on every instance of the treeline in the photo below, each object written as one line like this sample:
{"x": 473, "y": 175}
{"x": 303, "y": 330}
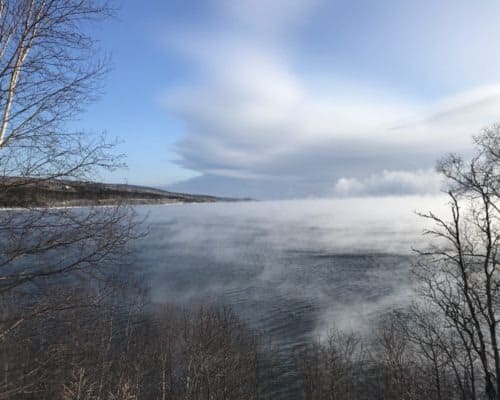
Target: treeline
{"x": 107, "y": 342}
{"x": 390, "y": 364}
{"x": 104, "y": 343}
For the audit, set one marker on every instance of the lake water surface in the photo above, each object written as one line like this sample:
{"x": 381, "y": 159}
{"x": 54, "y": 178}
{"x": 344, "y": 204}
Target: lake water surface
{"x": 293, "y": 269}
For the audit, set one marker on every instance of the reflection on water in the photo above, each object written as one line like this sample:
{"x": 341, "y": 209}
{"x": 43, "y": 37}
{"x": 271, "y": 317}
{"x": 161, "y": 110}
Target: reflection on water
{"x": 290, "y": 268}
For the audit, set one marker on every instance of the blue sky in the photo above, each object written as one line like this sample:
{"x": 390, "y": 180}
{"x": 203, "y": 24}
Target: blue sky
{"x": 297, "y": 98}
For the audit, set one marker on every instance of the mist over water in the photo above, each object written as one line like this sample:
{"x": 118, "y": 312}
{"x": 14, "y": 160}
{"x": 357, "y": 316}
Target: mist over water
{"x": 293, "y": 269}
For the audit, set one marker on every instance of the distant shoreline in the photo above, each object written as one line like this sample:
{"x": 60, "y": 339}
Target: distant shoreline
{"x": 37, "y": 193}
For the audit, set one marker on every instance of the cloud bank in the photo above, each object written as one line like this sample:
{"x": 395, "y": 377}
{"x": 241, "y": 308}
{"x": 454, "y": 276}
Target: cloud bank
{"x": 259, "y": 124}
{"x": 419, "y": 182}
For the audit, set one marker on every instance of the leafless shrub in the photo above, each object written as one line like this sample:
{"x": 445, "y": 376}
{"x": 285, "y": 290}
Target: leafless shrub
{"x": 79, "y": 388}
{"x": 332, "y": 369}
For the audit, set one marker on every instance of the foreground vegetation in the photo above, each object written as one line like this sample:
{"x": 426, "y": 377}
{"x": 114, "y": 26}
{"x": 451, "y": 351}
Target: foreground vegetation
{"x": 108, "y": 343}
{"x": 105, "y": 342}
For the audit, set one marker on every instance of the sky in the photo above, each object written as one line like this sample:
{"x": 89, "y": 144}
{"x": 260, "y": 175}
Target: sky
{"x": 296, "y": 98}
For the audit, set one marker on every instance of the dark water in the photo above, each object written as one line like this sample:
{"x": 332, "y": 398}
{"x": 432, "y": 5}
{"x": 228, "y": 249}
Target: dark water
{"x": 293, "y": 269}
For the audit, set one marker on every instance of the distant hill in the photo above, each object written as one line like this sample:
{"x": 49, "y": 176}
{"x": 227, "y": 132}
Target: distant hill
{"x": 29, "y": 192}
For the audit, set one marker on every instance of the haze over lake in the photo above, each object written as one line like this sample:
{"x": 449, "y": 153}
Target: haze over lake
{"x": 291, "y": 268}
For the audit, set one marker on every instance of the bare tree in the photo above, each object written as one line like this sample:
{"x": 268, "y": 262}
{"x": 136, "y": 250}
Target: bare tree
{"x": 459, "y": 274}
{"x": 49, "y": 70}
{"x": 221, "y": 356}
{"x": 46, "y": 76}
{"x": 332, "y": 369}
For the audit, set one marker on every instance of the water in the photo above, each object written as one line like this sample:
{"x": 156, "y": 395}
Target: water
{"x": 293, "y": 269}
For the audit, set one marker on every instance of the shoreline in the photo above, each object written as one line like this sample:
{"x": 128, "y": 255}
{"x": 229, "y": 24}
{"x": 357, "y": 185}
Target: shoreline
{"x": 102, "y": 205}
{"x": 33, "y": 193}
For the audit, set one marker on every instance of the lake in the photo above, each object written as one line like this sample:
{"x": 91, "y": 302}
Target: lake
{"x": 293, "y": 269}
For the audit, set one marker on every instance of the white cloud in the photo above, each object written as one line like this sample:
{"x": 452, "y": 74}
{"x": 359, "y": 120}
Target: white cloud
{"x": 252, "y": 113}
{"x": 419, "y": 182}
